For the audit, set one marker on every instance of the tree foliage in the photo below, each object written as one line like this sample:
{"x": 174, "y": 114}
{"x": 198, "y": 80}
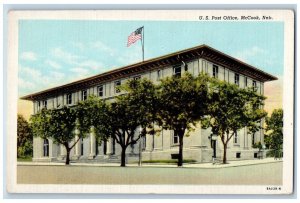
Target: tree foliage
{"x": 182, "y": 103}
{"x": 24, "y": 138}
{"x": 232, "y": 108}
{"x": 60, "y": 125}
{"x": 122, "y": 118}
{"x": 274, "y": 133}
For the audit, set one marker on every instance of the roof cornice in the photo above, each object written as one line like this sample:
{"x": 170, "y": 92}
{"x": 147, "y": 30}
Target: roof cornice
{"x": 202, "y": 51}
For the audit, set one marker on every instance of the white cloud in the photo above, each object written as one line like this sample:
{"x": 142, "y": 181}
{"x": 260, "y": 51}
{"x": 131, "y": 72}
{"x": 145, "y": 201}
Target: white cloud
{"x": 31, "y": 79}
{"x": 25, "y": 84}
{"x": 30, "y": 72}
{"x": 64, "y": 55}
{"x": 94, "y": 65}
{"x": 57, "y": 75}
{"x": 78, "y": 45}
{"x": 53, "y": 64}
{"x": 249, "y": 53}
{"x": 29, "y": 56}
{"x": 80, "y": 71}
{"x": 132, "y": 55}
{"x": 103, "y": 47}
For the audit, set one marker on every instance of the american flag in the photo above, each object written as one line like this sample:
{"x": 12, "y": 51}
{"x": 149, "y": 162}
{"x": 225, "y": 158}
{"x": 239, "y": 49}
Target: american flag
{"x": 135, "y": 36}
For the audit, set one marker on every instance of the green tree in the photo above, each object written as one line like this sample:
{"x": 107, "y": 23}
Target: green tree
{"x": 123, "y": 117}
{"x": 60, "y": 125}
{"x": 274, "y": 133}
{"x": 133, "y": 112}
{"x": 24, "y": 138}
{"x": 93, "y": 112}
{"x": 182, "y": 103}
{"x": 232, "y": 108}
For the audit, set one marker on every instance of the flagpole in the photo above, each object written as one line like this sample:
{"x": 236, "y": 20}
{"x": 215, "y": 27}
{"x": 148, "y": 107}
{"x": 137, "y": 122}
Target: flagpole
{"x": 143, "y": 42}
{"x": 140, "y": 140}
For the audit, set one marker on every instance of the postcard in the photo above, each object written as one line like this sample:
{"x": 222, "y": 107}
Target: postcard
{"x": 150, "y": 101}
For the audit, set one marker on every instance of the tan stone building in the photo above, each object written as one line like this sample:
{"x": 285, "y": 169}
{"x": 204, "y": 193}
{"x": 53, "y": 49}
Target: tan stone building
{"x": 198, "y": 146}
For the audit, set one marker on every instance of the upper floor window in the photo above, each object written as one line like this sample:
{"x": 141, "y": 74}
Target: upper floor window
{"x": 137, "y": 77}
{"x": 57, "y": 102}
{"x": 158, "y": 75}
{"x": 117, "y": 85}
{"x": 69, "y": 99}
{"x": 177, "y": 70}
{"x": 237, "y": 79}
{"x": 84, "y": 95}
{"x": 246, "y": 81}
{"x": 45, "y": 104}
{"x": 186, "y": 67}
{"x": 39, "y": 105}
{"x": 100, "y": 91}
{"x": 254, "y": 85}
{"x": 215, "y": 71}
{"x": 235, "y": 138}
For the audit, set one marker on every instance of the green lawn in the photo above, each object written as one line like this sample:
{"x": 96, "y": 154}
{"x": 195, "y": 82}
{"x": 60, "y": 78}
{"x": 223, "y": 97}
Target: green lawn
{"x": 171, "y": 161}
{"x": 22, "y": 159}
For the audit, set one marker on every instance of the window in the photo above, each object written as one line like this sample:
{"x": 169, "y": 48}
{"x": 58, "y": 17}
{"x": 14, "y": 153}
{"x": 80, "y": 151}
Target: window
{"x": 97, "y": 144}
{"x": 215, "y": 71}
{"x": 255, "y": 155}
{"x": 113, "y": 146}
{"x": 235, "y": 138}
{"x": 45, "y": 104}
{"x": 175, "y": 138}
{"x": 177, "y": 70}
{"x": 57, "y": 102}
{"x": 144, "y": 143}
{"x": 104, "y": 147}
{"x": 254, "y": 85}
{"x": 253, "y": 139}
{"x": 81, "y": 150}
{"x": 46, "y": 147}
{"x": 246, "y": 81}
{"x": 69, "y": 98}
{"x": 137, "y": 77}
{"x": 84, "y": 95}
{"x": 237, "y": 79}
{"x": 117, "y": 84}
{"x": 238, "y": 155}
{"x": 158, "y": 75}
{"x": 39, "y": 106}
{"x": 186, "y": 68}
{"x": 100, "y": 91}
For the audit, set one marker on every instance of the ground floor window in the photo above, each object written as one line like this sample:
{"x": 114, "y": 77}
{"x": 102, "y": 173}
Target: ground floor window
{"x": 114, "y": 146}
{"x": 97, "y": 151}
{"x": 105, "y": 147}
{"x": 144, "y": 142}
{"x": 175, "y": 137}
{"x": 81, "y": 147}
{"x": 235, "y": 138}
{"x": 46, "y": 147}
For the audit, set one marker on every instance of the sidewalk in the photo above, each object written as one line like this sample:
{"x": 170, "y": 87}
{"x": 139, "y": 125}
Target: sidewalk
{"x": 197, "y": 165}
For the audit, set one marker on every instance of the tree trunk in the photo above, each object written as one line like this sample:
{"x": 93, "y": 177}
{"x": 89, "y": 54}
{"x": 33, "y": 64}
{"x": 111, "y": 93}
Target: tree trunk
{"x": 68, "y": 156}
{"x": 123, "y": 157}
{"x": 180, "y": 157}
{"x": 225, "y": 154}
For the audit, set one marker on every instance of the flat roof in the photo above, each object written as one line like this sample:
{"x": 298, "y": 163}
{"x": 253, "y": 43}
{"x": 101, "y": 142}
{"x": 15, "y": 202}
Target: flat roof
{"x": 202, "y": 51}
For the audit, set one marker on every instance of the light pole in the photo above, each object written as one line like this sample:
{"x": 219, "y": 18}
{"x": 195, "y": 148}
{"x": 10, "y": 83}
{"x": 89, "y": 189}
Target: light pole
{"x": 140, "y": 148}
{"x": 214, "y": 138}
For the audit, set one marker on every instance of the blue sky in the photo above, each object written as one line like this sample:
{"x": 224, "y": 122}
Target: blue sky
{"x": 55, "y": 52}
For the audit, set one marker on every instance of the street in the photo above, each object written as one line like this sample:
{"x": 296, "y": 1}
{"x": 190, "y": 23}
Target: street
{"x": 258, "y": 174}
